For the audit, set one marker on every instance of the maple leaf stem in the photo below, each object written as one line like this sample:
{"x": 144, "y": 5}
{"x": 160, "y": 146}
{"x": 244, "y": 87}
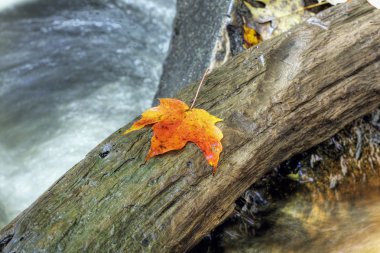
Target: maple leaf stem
{"x": 199, "y": 87}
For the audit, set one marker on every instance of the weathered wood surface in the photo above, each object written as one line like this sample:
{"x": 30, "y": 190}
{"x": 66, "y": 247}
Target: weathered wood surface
{"x": 283, "y": 97}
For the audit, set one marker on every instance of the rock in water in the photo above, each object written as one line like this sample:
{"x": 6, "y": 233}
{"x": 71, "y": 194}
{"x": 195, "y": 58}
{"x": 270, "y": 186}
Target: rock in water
{"x": 198, "y": 28}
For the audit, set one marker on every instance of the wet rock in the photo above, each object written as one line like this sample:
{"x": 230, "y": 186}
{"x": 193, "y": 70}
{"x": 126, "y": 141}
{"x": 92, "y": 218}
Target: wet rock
{"x": 197, "y": 29}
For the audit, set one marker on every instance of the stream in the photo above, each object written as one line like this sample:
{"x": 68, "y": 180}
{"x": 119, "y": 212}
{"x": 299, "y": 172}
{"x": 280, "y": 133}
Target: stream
{"x": 71, "y": 73}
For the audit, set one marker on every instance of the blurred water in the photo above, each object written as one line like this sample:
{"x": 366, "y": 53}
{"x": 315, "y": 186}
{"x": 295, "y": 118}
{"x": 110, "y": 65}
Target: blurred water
{"x": 71, "y": 73}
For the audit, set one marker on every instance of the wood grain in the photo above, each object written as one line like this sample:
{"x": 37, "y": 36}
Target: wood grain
{"x": 283, "y": 97}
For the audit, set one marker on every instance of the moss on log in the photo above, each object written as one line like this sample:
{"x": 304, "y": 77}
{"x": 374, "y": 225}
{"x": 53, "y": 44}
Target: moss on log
{"x": 280, "y": 98}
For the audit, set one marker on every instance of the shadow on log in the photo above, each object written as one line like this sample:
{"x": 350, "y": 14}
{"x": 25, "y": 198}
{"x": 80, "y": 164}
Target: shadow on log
{"x": 283, "y": 97}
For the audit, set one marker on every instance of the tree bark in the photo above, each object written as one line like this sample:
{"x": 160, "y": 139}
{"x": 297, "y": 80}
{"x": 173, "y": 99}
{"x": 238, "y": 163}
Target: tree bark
{"x": 278, "y": 99}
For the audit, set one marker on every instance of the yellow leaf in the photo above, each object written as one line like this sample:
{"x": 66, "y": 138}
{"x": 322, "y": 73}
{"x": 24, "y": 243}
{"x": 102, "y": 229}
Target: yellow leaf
{"x": 251, "y": 37}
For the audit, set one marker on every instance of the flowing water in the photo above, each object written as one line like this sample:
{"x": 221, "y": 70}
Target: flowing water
{"x": 71, "y": 73}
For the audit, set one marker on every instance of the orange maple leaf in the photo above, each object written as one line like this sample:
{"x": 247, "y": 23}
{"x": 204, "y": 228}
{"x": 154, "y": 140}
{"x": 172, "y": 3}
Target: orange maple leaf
{"x": 175, "y": 124}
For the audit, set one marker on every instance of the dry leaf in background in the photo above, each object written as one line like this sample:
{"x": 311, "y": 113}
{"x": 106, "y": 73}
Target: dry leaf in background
{"x": 250, "y": 36}
{"x": 275, "y": 16}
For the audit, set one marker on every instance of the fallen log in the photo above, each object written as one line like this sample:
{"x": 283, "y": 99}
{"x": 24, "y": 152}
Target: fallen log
{"x": 278, "y": 99}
